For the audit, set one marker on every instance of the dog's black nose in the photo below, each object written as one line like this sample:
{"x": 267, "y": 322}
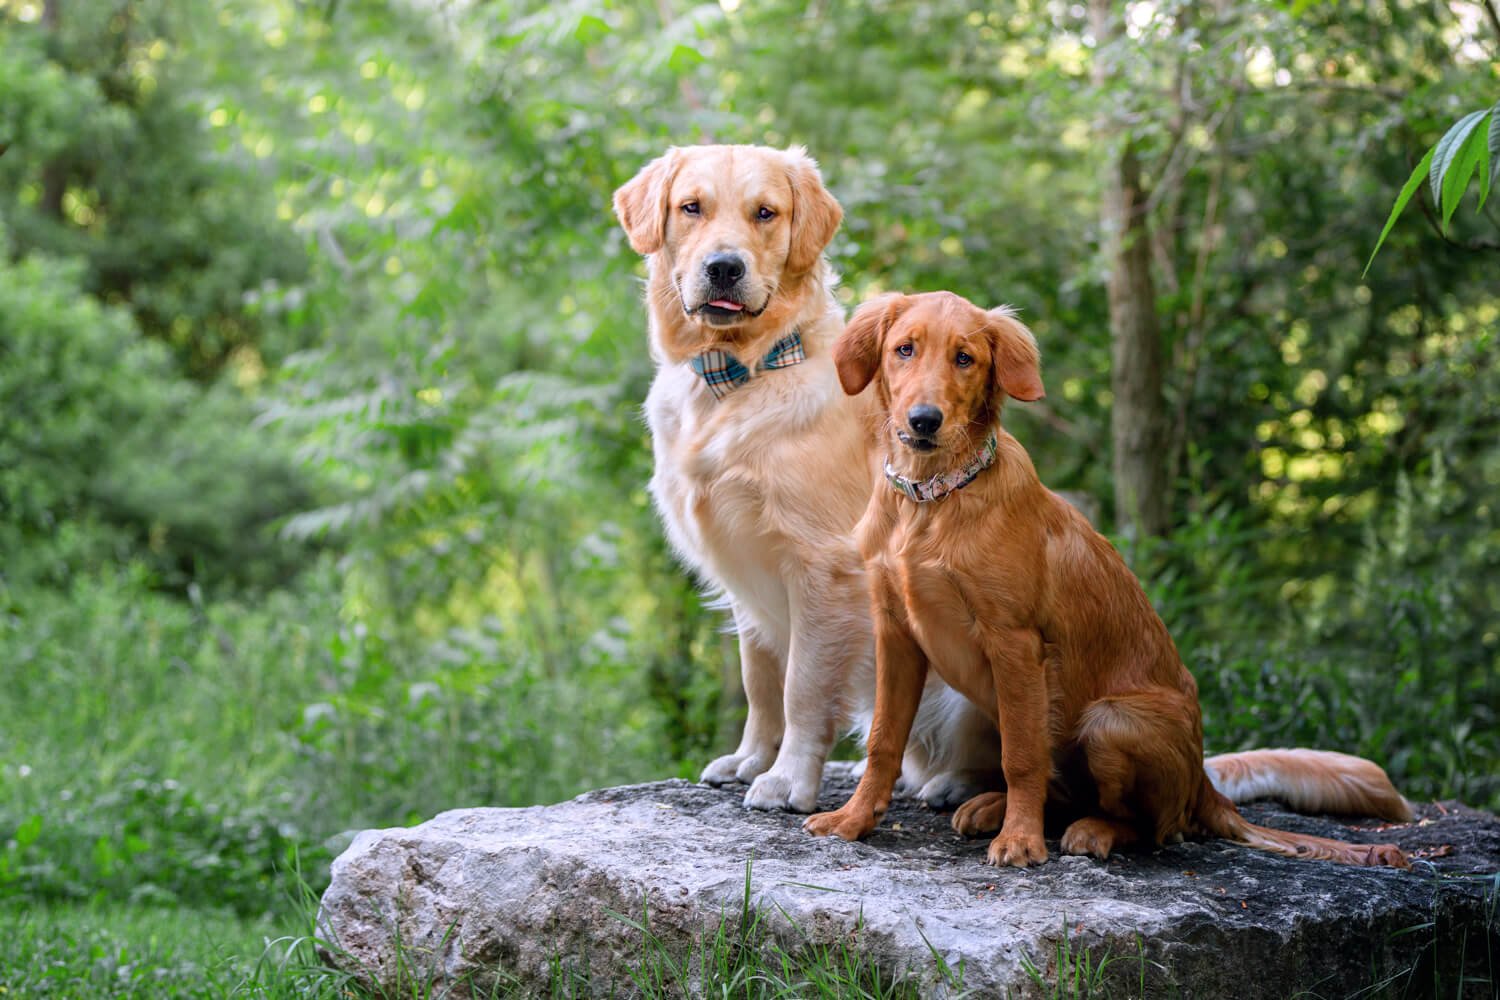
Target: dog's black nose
{"x": 925, "y": 419}
{"x": 724, "y": 269}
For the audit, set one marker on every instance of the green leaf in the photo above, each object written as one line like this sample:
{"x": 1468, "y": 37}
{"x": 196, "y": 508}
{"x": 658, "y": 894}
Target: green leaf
{"x": 1495, "y": 137}
{"x": 29, "y": 830}
{"x": 1484, "y": 170}
{"x": 1448, "y": 148}
{"x": 1462, "y": 166}
{"x": 1408, "y": 189}
{"x": 591, "y": 28}
{"x": 683, "y": 58}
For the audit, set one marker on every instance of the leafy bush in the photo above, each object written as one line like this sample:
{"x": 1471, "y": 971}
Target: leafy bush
{"x": 1396, "y": 660}
{"x": 187, "y": 746}
{"x": 145, "y": 839}
{"x": 112, "y": 164}
{"x": 108, "y": 454}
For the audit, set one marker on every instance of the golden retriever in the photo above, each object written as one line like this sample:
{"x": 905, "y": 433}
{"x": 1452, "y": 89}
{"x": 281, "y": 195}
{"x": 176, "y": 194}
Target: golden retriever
{"x": 761, "y": 463}
{"x": 981, "y": 573}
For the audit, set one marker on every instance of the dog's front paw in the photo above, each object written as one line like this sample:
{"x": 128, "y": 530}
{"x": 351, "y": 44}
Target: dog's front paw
{"x": 1017, "y": 849}
{"x": 847, "y": 823}
{"x": 754, "y": 766}
{"x": 733, "y": 767}
{"x": 777, "y": 791}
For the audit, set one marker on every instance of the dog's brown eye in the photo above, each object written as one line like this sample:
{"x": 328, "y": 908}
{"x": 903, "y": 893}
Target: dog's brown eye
{"x": 905, "y": 350}
{"x": 690, "y": 208}
{"x": 963, "y": 360}
{"x": 765, "y": 214}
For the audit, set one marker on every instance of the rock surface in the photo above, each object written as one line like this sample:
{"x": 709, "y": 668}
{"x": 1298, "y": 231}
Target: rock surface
{"x": 475, "y": 891}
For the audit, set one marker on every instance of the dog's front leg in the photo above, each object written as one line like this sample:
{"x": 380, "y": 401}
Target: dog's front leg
{"x": 1020, "y": 678}
{"x": 761, "y": 669}
{"x": 830, "y": 635}
{"x": 900, "y": 671}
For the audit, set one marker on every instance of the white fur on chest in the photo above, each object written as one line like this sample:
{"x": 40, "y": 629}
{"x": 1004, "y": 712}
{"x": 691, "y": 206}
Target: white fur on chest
{"x": 716, "y": 468}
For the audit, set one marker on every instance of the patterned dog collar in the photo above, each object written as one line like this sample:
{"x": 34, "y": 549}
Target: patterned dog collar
{"x": 943, "y": 483}
{"x": 723, "y": 373}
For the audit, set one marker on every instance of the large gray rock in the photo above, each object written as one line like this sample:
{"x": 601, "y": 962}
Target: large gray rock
{"x": 473, "y": 892}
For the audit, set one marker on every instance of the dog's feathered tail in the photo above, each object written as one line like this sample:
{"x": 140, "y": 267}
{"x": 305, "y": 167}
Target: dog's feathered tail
{"x": 1310, "y": 781}
{"x": 1217, "y": 816}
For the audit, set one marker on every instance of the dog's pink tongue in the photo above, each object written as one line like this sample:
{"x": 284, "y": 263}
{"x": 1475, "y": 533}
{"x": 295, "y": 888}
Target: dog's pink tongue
{"x": 726, "y": 304}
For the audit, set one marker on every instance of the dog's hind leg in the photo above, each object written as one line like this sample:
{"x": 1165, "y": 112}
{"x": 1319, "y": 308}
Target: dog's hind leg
{"x": 1143, "y": 751}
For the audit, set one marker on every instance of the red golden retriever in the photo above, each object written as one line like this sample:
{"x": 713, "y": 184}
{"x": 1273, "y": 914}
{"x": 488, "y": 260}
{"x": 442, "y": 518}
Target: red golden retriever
{"x": 980, "y": 572}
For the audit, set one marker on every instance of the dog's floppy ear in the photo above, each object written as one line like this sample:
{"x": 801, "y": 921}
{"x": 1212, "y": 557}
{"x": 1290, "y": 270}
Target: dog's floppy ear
{"x": 815, "y": 213}
{"x": 641, "y": 202}
{"x": 1017, "y": 366}
{"x": 856, "y": 354}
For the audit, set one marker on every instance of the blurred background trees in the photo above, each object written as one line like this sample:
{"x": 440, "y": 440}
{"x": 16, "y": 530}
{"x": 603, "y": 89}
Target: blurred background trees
{"x": 321, "y": 466}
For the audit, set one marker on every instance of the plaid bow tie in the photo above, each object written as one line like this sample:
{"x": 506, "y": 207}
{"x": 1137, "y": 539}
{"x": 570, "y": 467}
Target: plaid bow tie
{"x": 723, "y": 373}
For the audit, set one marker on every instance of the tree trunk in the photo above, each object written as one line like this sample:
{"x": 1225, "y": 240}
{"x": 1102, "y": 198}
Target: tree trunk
{"x": 1138, "y": 420}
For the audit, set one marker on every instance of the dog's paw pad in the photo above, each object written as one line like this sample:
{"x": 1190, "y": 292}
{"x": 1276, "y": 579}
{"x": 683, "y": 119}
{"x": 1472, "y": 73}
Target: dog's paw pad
{"x": 984, "y": 813}
{"x": 842, "y": 824}
{"x": 1093, "y": 837}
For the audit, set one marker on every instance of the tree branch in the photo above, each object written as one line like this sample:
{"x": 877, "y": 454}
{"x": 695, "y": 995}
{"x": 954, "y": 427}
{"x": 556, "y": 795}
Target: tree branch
{"x": 1371, "y": 89}
{"x": 1493, "y": 12}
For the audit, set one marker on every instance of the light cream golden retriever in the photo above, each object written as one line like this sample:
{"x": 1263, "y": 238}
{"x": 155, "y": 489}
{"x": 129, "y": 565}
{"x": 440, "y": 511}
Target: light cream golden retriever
{"x": 763, "y": 465}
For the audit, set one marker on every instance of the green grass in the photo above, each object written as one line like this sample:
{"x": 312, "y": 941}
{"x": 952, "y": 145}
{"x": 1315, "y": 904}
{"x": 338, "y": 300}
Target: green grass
{"x": 173, "y": 753}
{"x": 127, "y": 952}
{"x": 122, "y": 952}
{"x": 1078, "y": 973}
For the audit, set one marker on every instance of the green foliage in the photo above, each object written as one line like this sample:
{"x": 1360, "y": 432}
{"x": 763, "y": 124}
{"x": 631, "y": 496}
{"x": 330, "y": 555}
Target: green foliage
{"x": 1342, "y": 666}
{"x": 1465, "y": 150}
{"x": 146, "y": 840}
{"x": 110, "y": 161}
{"x": 321, "y": 469}
{"x": 1418, "y": 175}
{"x": 188, "y": 747}
{"x": 107, "y": 452}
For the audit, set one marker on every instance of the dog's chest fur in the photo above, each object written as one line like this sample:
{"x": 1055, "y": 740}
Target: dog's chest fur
{"x": 959, "y": 582}
{"x": 731, "y": 480}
